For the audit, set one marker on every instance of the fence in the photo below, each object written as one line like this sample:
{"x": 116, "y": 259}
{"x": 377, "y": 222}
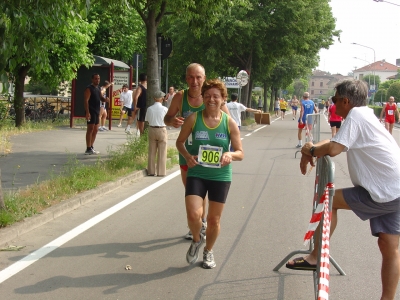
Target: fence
{"x": 324, "y": 178}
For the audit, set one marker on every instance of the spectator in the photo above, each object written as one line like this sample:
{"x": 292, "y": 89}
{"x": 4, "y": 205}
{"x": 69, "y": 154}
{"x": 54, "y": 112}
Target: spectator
{"x": 158, "y": 136}
{"x": 140, "y": 101}
{"x": 235, "y": 109}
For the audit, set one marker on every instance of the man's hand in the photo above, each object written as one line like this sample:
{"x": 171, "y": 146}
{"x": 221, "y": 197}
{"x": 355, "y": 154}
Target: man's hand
{"x": 178, "y": 121}
{"x": 305, "y": 159}
{"x": 305, "y": 150}
{"x": 88, "y": 116}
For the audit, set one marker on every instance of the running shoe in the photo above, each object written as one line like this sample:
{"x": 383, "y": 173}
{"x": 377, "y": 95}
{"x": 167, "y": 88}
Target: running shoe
{"x": 189, "y": 235}
{"x": 208, "y": 259}
{"x": 119, "y": 125}
{"x": 299, "y": 146}
{"x": 105, "y": 129}
{"x": 94, "y": 151}
{"x": 203, "y": 228}
{"x": 89, "y": 152}
{"x": 101, "y": 129}
{"x": 193, "y": 253}
{"x": 128, "y": 132}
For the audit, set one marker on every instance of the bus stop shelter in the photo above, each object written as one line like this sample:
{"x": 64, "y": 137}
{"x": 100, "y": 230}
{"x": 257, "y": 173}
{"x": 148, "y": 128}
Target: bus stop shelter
{"x": 108, "y": 69}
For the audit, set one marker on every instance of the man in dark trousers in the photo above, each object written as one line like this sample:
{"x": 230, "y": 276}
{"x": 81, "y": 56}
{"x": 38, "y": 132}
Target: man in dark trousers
{"x": 91, "y": 100}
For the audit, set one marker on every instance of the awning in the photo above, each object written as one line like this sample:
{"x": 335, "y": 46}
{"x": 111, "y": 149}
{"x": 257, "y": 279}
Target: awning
{"x": 103, "y": 61}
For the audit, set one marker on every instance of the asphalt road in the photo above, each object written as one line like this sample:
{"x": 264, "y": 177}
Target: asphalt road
{"x": 265, "y": 218}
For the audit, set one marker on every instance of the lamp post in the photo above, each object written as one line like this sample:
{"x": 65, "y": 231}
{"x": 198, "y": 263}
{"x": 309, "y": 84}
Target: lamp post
{"x": 387, "y": 2}
{"x": 374, "y": 59}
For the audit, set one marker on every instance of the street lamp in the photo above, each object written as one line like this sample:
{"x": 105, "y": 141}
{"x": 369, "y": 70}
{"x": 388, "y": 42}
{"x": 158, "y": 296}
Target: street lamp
{"x": 387, "y": 2}
{"x": 369, "y": 67}
{"x": 374, "y": 59}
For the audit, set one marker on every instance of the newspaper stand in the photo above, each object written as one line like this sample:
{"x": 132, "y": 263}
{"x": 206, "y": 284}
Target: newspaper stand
{"x": 325, "y": 170}
{"x": 313, "y": 129}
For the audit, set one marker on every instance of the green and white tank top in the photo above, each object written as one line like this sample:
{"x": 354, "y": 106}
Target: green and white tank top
{"x": 185, "y": 111}
{"x": 218, "y": 136}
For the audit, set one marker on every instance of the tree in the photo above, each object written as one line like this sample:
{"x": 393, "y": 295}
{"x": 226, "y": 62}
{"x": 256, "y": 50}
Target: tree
{"x": 152, "y": 13}
{"x": 47, "y": 38}
{"x": 380, "y": 95}
{"x": 388, "y": 83}
{"x": 120, "y": 32}
{"x": 394, "y": 90}
{"x": 371, "y": 80}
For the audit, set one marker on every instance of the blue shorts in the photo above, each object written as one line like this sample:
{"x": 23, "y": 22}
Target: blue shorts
{"x": 383, "y": 217}
{"x": 294, "y": 107}
{"x": 276, "y": 109}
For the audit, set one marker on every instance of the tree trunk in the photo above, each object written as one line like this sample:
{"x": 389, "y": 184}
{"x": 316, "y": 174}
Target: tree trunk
{"x": 2, "y": 204}
{"x": 265, "y": 106}
{"x": 152, "y": 57}
{"x": 19, "y": 101}
{"x": 271, "y": 104}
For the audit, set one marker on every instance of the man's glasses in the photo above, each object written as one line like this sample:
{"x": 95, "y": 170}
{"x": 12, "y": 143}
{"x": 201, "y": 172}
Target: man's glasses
{"x": 334, "y": 99}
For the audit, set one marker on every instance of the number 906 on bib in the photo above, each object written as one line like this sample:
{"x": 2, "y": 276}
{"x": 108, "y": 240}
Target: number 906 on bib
{"x": 210, "y": 156}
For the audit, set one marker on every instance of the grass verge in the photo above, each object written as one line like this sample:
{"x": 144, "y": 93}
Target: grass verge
{"x": 76, "y": 178}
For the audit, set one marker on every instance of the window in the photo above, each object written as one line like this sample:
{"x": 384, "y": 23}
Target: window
{"x": 312, "y": 83}
{"x": 312, "y": 91}
{"x": 321, "y": 84}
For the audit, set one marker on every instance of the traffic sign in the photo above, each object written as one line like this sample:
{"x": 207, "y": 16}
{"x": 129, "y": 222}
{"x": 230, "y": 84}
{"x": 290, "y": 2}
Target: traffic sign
{"x": 242, "y": 78}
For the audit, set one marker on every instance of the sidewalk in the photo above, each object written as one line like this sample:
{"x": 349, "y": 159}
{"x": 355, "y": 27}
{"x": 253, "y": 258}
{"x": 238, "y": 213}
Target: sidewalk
{"x": 39, "y": 155}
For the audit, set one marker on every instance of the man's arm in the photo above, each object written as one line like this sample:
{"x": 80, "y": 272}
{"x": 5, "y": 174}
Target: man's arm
{"x": 381, "y": 115}
{"x": 253, "y": 110}
{"x": 326, "y": 147}
{"x": 86, "y": 97}
{"x": 170, "y": 118}
{"x": 186, "y": 130}
{"x": 301, "y": 113}
{"x": 138, "y": 92}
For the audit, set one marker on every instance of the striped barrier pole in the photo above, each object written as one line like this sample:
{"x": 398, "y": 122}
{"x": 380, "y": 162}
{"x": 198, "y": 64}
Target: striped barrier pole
{"x": 323, "y": 286}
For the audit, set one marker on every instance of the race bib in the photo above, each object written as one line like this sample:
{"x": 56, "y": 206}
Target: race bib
{"x": 390, "y": 112}
{"x": 210, "y": 156}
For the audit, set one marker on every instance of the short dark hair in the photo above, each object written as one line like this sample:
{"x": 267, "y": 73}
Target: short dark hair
{"x": 142, "y": 77}
{"x": 95, "y": 74}
{"x": 124, "y": 86}
{"x": 234, "y": 96}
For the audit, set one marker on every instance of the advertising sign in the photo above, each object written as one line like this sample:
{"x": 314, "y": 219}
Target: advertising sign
{"x": 230, "y": 82}
{"x": 120, "y": 78}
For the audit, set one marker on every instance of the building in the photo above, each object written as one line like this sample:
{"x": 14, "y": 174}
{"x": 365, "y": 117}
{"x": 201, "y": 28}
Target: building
{"x": 321, "y": 84}
{"x": 380, "y": 68}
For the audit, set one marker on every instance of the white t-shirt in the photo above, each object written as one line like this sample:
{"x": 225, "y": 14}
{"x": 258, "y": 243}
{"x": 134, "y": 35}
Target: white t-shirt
{"x": 126, "y": 98}
{"x": 373, "y": 156}
{"x": 155, "y": 114}
{"x": 235, "y": 110}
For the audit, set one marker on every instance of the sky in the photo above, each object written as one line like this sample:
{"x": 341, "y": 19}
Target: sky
{"x": 366, "y": 22}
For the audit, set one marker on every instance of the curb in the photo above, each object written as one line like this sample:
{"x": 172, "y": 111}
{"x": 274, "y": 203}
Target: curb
{"x": 11, "y": 232}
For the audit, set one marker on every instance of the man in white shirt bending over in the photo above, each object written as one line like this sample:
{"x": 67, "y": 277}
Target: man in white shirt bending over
{"x": 373, "y": 159}
{"x": 235, "y": 109}
{"x": 158, "y": 136}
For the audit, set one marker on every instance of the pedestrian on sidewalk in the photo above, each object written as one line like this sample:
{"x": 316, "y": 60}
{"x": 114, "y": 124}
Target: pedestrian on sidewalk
{"x": 260, "y": 104}
{"x": 168, "y": 97}
{"x": 104, "y": 106}
{"x": 373, "y": 159}
{"x": 126, "y": 99}
{"x": 276, "y": 107}
{"x": 140, "y": 102}
{"x": 91, "y": 100}
{"x": 307, "y": 107}
{"x": 236, "y": 109}
{"x": 294, "y": 104}
{"x": 283, "y": 106}
{"x": 210, "y": 169}
{"x": 158, "y": 136}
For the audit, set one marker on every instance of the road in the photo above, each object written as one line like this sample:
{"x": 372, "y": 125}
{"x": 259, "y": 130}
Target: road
{"x": 143, "y": 224}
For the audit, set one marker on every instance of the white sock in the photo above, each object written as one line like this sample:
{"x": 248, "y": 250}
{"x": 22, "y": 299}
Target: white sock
{"x": 128, "y": 127}
{"x": 300, "y": 142}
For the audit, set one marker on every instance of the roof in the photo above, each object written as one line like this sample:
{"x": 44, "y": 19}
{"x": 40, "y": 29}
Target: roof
{"x": 381, "y": 66}
{"x": 103, "y": 61}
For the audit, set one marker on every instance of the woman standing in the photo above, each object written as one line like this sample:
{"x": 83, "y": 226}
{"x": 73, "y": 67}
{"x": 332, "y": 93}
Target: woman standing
{"x": 209, "y": 131}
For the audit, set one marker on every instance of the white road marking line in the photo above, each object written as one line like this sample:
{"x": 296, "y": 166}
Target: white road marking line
{"x": 58, "y": 242}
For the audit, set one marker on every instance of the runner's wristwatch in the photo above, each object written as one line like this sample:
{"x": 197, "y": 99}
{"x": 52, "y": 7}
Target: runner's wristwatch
{"x": 312, "y": 151}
